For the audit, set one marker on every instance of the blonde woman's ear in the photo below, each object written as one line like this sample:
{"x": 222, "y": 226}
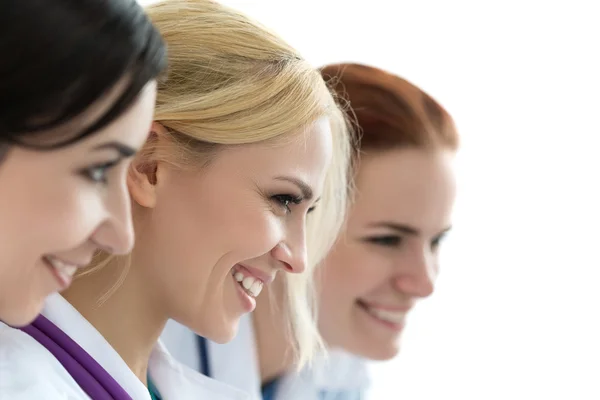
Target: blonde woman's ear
{"x": 141, "y": 181}
{"x": 143, "y": 171}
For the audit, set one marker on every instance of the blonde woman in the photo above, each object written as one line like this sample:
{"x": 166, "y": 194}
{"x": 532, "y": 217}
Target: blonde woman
{"x": 383, "y": 263}
{"x": 246, "y": 160}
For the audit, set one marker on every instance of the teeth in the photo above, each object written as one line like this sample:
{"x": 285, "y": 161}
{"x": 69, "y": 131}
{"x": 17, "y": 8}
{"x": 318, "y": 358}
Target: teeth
{"x": 66, "y": 270}
{"x": 247, "y": 282}
{"x": 252, "y": 285}
{"x": 256, "y": 288}
{"x": 395, "y": 317}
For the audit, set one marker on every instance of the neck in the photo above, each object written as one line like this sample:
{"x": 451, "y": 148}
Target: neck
{"x": 275, "y": 353}
{"x": 128, "y": 319}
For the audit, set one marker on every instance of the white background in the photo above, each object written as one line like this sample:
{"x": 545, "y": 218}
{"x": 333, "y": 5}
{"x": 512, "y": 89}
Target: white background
{"x": 516, "y": 311}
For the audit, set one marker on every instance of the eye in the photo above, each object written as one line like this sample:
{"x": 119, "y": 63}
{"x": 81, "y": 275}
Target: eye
{"x": 386, "y": 241}
{"x": 436, "y": 242}
{"x": 97, "y": 173}
{"x": 285, "y": 200}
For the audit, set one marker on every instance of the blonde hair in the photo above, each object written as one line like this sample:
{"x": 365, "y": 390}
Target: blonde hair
{"x": 232, "y": 81}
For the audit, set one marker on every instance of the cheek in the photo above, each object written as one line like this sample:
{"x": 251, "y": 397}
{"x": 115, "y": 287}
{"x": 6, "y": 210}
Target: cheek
{"x": 48, "y": 209}
{"x": 178, "y": 232}
{"x": 210, "y": 230}
{"x": 79, "y": 213}
{"x": 350, "y": 272}
{"x": 254, "y": 232}
{"x": 64, "y": 217}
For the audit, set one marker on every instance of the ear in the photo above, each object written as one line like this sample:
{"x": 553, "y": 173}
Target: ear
{"x": 143, "y": 171}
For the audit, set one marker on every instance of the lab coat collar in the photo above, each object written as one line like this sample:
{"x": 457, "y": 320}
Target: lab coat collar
{"x": 336, "y": 372}
{"x": 176, "y": 381}
{"x": 69, "y": 320}
{"x": 236, "y": 363}
{"x": 173, "y": 380}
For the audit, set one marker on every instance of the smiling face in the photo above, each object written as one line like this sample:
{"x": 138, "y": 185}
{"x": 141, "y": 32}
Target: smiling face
{"x": 387, "y": 258}
{"x": 209, "y": 238}
{"x": 57, "y": 207}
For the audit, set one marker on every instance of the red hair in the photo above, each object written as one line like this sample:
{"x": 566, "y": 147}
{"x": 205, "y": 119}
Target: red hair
{"x": 390, "y": 111}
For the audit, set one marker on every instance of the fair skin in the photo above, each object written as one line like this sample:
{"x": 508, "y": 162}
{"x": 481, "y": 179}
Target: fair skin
{"x": 245, "y": 212}
{"x": 384, "y": 262}
{"x": 59, "y": 206}
{"x": 387, "y": 259}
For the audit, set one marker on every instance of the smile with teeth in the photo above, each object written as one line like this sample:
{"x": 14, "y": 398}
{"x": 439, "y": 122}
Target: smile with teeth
{"x": 250, "y": 284}
{"x": 64, "y": 270}
{"x": 393, "y": 317}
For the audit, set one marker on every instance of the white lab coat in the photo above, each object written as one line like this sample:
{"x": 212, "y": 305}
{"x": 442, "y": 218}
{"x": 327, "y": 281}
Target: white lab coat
{"x": 236, "y": 363}
{"x": 30, "y": 372}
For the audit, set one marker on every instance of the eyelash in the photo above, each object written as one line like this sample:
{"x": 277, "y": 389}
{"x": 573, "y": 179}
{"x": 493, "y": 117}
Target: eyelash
{"x": 89, "y": 173}
{"x": 395, "y": 241}
{"x": 286, "y": 199}
{"x": 435, "y": 243}
{"x": 386, "y": 241}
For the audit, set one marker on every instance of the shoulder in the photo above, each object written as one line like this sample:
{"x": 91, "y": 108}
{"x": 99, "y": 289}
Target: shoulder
{"x": 346, "y": 368}
{"x": 329, "y": 377}
{"x": 341, "y": 372}
{"x": 29, "y": 371}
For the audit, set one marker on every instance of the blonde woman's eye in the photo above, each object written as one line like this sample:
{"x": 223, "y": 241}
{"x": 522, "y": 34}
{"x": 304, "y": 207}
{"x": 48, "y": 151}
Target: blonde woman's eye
{"x": 285, "y": 200}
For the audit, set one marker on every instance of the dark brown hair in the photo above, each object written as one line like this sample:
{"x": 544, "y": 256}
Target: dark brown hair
{"x": 391, "y": 112}
{"x": 60, "y": 57}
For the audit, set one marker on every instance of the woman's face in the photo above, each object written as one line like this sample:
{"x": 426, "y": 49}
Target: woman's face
{"x": 209, "y": 239}
{"x": 387, "y": 258}
{"x": 58, "y": 207}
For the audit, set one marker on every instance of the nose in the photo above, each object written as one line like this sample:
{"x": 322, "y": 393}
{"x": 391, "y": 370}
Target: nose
{"x": 292, "y": 253}
{"x": 115, "y": 234}
{"x": 418, "y": 278}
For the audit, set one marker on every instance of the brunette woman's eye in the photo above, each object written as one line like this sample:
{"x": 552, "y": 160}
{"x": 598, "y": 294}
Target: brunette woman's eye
{"x": 98, "y": 173}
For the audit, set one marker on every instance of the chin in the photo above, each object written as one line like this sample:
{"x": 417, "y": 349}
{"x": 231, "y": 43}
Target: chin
{"x": 384, "y": 354}
{"x": 222, "y": 334}
{"x": 376, "y": 351}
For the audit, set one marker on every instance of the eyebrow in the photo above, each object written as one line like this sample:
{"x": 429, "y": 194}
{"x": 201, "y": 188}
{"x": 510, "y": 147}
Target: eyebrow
{"x": 403, "y": 228}
{"x": 122, "y": 149}
{"x": 307, "y": 192}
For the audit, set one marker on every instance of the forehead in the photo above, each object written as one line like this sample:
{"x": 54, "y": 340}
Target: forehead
{"x": 306, "y": 151}
{"x": 130, "y": 128}
{"x": 406, "y": 186}
{"x": 310, "y": 141}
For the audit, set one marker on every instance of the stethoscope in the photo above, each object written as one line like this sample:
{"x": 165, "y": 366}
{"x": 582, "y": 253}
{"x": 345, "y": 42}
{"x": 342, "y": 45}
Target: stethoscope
{"x": 204, "y": 356}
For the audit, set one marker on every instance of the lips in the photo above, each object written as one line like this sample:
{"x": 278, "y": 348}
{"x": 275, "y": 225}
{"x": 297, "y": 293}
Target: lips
{"x": 392, "y": 314}
{"x": 261, "y": 275}
{"x": 63, "y": 271}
